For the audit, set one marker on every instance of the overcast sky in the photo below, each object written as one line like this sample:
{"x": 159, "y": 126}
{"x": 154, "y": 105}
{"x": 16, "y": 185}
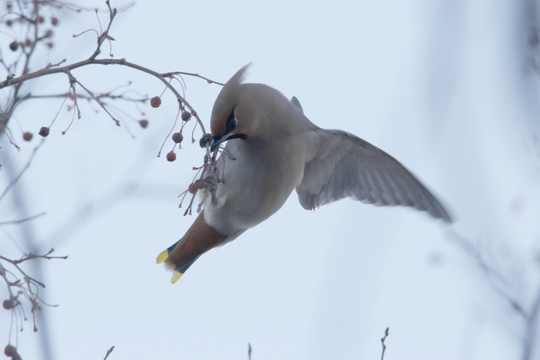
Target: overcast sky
{"x": 440, "y": 85}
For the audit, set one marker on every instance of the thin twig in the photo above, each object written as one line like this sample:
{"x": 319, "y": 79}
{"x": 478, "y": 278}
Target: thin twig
{"x": 122, "y": 62}
{"x": 20, "y": 221}
{"x": 72, "y": 79}
{"x": 383, "y": 339}
{"x": 494, "y": 275}
{"x": 108, "y": 352}
{"x": 14, "y": 180}
{"x": 531, "y": 332}
{"x": 210, "y": 81}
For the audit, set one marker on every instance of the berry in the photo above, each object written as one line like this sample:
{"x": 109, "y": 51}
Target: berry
{"x": 155, "y": 101}
{"x": 193, "y": 188}
{"x": 10, "y": 350}
{"x": 14, "y": 46}
{"x": 41, "y": 19}
{"x": 8, "y": 304}
{"x": 143, "y": 123}
{"x": 177, "y": 137}
{"x": 186, "y": 115}
{"x": 44, "y": 131}
{"x": 27, "y": 136}
{"x": 171, "y": 156}
{"x": 9, "y": 22}
{"x": 54, "y": 21}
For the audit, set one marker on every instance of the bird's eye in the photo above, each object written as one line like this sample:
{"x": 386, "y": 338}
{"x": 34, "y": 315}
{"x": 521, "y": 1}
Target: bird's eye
{"x": 231, "y": 123}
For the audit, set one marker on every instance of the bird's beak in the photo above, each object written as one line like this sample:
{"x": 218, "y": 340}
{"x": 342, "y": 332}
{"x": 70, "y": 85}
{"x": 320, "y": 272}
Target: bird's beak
{"x": 218, "y": 140}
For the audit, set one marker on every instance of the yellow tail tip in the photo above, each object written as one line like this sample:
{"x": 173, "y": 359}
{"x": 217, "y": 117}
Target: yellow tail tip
{"x": 175, "y": 276}
{"x": 162, "y": 257}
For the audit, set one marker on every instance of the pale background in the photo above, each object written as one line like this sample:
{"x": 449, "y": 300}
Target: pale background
{"x": 440, "y": 85}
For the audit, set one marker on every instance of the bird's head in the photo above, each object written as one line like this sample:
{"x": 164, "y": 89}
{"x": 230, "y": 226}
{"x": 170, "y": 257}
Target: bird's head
{"x": 225, "y": 123}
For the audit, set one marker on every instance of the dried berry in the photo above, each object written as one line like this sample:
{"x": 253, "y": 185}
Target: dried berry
{"x": 143, "y": 123}
{"x": 205, "y": 140}
{"x": 41, "y": 19}
{"x": 54, "y": 21}
{"x": 192, "y": 188}
{"x": 177, "y": 137}
{"x": 9, "y": 22}
{"x": 9, "y": 304}
{"x": 10, "y": 350}
{"x": 14, "y": 46}
{"x": 186, "y": 115}
{"x": 44, "y": 131}
{"x": 27, "y": 136}
{"x": 171, "y": 156}
{"x": 155, "y": 101}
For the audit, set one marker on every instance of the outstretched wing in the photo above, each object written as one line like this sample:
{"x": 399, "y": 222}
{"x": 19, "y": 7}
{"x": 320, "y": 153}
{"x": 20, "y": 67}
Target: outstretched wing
{"x": 347, "y": 166}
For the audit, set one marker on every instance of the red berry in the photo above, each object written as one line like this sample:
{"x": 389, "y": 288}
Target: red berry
{"x": 155, "y": 101}
{"x": 192, "y": 188}
{"x": 10, "y": 350}
{"x": 171, "y": 156}
{"x": 186, "y": 115}
{"x": 41, "y": 19}
{"x": 177, "y": 137}
{"x": 14, "y": 46}
{"x": 44, "y": 131}
{"x": 27, "y": 136}
{"x": 143, "y": 123}
{"x": 54, "y": 21}
{"x": 8, "y": 304}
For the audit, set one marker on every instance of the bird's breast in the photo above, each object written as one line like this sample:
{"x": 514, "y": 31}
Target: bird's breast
{"x": 256, "y": 182}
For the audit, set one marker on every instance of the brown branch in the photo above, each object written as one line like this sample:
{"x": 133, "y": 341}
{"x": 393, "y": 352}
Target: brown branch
{"x": 10, "y": 81}
{"x": 105, "y": 34}
{"x": 73, "y": 80}
{"x": 17, "y": 81}
{"x": 210, "y": 81}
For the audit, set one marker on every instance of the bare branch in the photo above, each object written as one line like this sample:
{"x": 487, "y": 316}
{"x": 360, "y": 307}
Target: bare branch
{"x": 108, "y": 352}
{"x": 383, "y": 339}
{"x": 531, "y": 332}
{"x": 122, "y": 62}
{"x": 14, "y": 180}
{"x": 20, "y": 221}
{"x": 73, "y": 80}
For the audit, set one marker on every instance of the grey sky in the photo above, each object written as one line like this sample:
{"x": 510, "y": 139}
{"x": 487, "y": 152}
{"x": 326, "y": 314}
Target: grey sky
{"x": 436, "y": 84}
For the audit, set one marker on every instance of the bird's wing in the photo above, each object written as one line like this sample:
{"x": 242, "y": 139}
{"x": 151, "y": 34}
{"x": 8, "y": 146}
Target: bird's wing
{"x": 346, "y": 166}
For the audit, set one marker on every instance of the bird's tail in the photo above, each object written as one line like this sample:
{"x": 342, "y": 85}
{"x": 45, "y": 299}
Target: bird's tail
{"x": 179, "y": 270}
{"x": 200, "y": 238}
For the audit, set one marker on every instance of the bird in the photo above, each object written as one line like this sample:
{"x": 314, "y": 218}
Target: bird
{"x": 270, "y": 149}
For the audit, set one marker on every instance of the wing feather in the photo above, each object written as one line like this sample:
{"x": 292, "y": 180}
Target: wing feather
{"x": 346, "y": 166}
